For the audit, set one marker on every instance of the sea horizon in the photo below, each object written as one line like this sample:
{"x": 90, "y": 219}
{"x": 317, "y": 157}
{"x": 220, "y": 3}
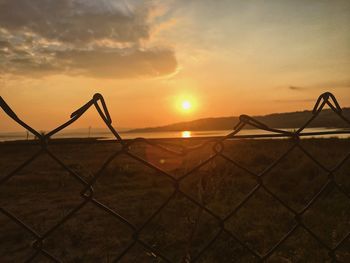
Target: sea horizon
{"x": 105, "y": 134}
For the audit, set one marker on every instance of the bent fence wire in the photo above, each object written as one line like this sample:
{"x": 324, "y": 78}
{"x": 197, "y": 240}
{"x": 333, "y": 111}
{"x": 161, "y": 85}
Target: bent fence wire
{"x": 87, "y": 193}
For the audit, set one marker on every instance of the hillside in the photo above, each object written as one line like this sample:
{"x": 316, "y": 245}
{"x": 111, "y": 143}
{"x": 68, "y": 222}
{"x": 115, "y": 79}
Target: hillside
{"x": 327, "y": 118}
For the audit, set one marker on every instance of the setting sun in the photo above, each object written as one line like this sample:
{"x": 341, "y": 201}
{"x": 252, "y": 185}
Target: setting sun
{"x": 186, "y": 105}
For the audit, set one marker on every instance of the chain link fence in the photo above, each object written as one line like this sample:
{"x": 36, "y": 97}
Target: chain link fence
{"x": 206, "y": 224}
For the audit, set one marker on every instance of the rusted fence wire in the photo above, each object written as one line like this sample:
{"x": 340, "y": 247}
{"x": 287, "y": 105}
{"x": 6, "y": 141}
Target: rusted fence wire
{"x": 87, "y": 193}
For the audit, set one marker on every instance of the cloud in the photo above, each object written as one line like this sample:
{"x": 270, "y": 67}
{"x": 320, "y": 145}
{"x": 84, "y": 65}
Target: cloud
{"x": 5, "y": 44}
{"x": 115, "y": 64}
{"x": 336, "y": 84}
{"x": 330, "y": 84}
{"x": 75, "y": 21}
{"x": 96, "y": 63}
{"x": 295, "y": 88}
{"x": 293, "y": 100}
{"x": 92, "y": 38}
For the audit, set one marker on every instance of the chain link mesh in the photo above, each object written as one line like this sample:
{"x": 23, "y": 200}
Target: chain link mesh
{"x": 87, "y": 193}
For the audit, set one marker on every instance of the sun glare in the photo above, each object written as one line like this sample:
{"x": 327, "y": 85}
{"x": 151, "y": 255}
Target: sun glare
{"x": 186, "y": 105}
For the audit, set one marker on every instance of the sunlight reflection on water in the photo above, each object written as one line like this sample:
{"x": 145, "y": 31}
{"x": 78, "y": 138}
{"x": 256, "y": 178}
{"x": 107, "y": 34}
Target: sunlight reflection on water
{"x": 104, "y": 134}
{"x": 186, "y": 134}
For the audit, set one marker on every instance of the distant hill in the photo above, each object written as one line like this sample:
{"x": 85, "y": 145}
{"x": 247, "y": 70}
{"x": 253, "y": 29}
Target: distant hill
{"x": 327, "y": 118}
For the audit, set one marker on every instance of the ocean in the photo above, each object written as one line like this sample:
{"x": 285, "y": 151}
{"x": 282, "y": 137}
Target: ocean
{"x": 103, "y": 134}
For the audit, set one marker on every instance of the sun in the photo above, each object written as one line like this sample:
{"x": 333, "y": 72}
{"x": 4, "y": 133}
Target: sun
{"x": 186, "y": 105}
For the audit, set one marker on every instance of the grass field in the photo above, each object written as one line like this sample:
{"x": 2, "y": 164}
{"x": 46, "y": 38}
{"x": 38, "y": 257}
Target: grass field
{"x": 43, "y": 193}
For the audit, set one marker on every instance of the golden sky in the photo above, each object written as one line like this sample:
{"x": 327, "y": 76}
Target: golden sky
{"x": 147, "y": 57}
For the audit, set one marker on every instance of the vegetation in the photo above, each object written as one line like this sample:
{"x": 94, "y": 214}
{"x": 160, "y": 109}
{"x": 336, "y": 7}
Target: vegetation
{"x": 44, "y": 192}
{"x": 277, "y": 120}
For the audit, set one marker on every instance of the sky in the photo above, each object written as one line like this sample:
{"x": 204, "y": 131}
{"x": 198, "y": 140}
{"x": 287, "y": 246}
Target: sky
{"x": 149, "y": 57}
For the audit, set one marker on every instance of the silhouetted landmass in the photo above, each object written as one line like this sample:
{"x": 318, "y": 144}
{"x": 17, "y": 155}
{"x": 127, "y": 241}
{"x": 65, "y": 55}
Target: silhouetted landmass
{"x": 327, "y": 118}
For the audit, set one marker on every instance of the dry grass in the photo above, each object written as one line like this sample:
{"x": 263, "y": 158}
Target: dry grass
{"x": 43, "y": 193}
